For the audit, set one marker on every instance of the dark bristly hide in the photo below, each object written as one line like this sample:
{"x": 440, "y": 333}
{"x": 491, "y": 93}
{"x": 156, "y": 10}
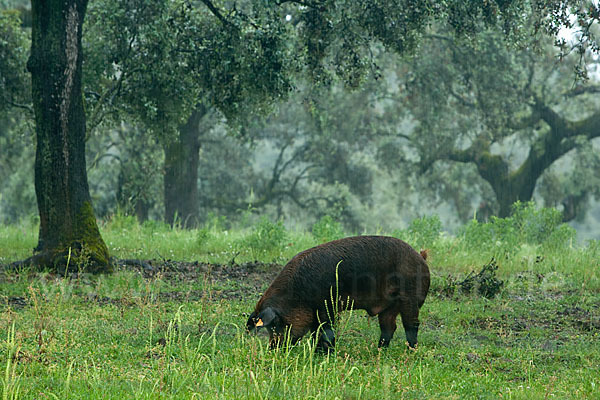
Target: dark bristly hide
{"x": 380, "y": 274}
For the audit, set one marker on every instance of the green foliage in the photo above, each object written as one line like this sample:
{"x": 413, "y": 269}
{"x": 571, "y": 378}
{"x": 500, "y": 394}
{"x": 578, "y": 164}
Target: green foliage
{"x": 152, "y": 226}
{"x": 209, "y": 235}
{"x": 470, "y": 130}
{"x": 216, "y": 222}
{"x": 267, "y": 237}
{"x": 15, "y": 86}
{"x": 16, "y": 139}
{"x": 594, "y": 247}
{"x": 10, "y": 380}
{"x": 422, "y": 233}
{"x": 154, "y": 61}
{"x": 425, "y": 231}
{"x": 340, "y": 35}
{"x": 533, "y": 224}
{"x": 542, "y": 226}
{"x": 17, "y": 199}
{"x": 125, "y": 173}
{"x": 473, "y": 246}
{"x": 181, "y": 335}
{"x": 149, "y": 63}
{"x": 123, "y": 222}
{"x": 526, "y": 225}
{"x": 574, "y": 181}
{"x": 204, "y": 235}
{"x": 131, "y": 68}
{"x": 327, "y": 229}
{"x": 499, "y": 232}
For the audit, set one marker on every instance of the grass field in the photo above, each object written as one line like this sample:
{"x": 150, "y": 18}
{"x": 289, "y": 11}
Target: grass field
{"x": 175, "y": 329}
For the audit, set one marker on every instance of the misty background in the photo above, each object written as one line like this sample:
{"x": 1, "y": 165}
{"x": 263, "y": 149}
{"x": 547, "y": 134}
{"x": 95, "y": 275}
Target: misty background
{"x": 410, "y": 137}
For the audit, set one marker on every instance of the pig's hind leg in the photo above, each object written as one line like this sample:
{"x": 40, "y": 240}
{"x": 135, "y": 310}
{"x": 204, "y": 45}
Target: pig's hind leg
{"x": 409, "y": 311}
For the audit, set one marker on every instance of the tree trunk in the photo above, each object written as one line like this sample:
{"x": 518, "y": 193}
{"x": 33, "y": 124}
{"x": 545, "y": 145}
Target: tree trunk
{"x": 181, "y": 174}
{"x": 506, "y": 194}
{"x": 69, "y": 235}
{"x": 509, "y": 187}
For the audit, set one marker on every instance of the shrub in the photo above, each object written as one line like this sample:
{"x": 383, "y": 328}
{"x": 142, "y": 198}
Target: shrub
{"x": 498, "y": 233}
{"x": 267, "y": 236}
{"x": 425, "y": 231}
{"x": 525, "y": 225}
{"x": 327, "y": 229}
{"x": 204, "y": 235}
{"x": 535, "y": 226}
{"x": 122, "y": 222}
{"x": 215, "y": 223}
{"x": 152, "y": 226}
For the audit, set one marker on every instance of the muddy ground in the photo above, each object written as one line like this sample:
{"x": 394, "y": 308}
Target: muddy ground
{"x": 247, "y": 280}
{"x": 250, "y": 277}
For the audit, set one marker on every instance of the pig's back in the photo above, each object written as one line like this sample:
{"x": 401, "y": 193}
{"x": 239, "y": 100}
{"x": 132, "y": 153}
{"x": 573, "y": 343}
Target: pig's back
{"x": 365, "y": 265}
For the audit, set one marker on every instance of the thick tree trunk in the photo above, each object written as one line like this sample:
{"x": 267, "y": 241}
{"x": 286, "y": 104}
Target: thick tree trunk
{"x": 68, "y": 234}
{"x": 506, "y": 195}
{"x": 506, "y": 189}
{"x": 509, "y": 187}
{"x": 181, "y": 174}
{"x": 505, "y": 203}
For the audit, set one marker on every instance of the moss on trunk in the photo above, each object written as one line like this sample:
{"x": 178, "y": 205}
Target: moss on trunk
{"x": 69, "y": 236}
{"x": 88, "y": 250}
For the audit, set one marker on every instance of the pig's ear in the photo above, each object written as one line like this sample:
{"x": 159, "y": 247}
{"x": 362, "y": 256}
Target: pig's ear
{"x": 251, "y": 324}
{"x": 266, "y": 317}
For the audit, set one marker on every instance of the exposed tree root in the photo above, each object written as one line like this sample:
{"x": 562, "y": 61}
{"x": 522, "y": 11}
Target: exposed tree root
{"x": 60, "y": 262}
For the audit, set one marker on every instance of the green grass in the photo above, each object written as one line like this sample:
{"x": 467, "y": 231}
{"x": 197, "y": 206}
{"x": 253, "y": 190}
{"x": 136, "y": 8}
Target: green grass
{"x": 115, "y": 337}
{"x": 180, "y": 334}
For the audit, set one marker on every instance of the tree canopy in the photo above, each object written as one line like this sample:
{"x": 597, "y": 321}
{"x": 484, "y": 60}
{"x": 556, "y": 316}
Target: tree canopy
{"x": 511, "y": 113}
{"x": 148, "y": 67}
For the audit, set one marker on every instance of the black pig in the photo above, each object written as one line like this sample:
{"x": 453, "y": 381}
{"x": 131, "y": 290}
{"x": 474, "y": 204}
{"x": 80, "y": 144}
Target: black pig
{"x": 380, "y": 274}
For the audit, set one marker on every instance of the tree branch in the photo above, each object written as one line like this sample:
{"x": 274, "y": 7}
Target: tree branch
{"x": 19, "y": 105}
{"x": 463, "y": 156}
{"x": 582, "y": 89}
{"x": 276, "y": 170}
{"x": 552, "y": 145}
{"x": 525, "y": 122}
{"x": 460, "y": 99}
{"x": 551, "y": 117}
{"x": 589, "y": 127}
{"x": 109, "y": 95}
{"x": 314, "y": 4}
{"x": 215, "y": 11}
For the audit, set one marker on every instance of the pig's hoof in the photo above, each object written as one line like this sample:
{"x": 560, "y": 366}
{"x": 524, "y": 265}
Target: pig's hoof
{"x": 325, "y": 347}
